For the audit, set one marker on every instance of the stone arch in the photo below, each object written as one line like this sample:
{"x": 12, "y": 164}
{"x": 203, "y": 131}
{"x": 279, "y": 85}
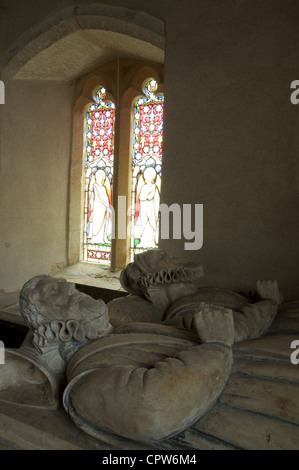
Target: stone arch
{"x": 85, "y": 22}
{"x": 130, "y": 34}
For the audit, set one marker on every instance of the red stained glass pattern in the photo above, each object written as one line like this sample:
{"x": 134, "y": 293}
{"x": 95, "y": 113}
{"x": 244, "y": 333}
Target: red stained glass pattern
{"x": 98, "y": 255}
{"x": 100, "y": 130}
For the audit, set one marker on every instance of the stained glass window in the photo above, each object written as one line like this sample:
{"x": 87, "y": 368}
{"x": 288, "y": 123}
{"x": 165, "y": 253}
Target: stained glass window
{"x": 147, "y": 166}
{"x": 99, "y": 179}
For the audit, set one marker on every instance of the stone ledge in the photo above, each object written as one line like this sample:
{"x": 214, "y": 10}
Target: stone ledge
{"x": 33, "y": 429}
{"x": 28, "y": 428}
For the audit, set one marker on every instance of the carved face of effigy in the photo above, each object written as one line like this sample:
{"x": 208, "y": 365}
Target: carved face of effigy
{"x": 54, "y": 309}
{"x": 56, "y": 299}
{"x": 53, "y": 292}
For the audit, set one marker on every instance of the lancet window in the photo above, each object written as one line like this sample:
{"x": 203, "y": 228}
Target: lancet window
{"x": 146, "y": 168}
{"x": 99, "y": 160}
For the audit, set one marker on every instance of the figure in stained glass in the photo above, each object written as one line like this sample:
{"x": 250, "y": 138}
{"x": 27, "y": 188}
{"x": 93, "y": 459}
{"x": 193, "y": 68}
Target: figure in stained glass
{"x": 148, "y": 189}
{"x": 99, "y": 179}
{"x": 100, "y": 213}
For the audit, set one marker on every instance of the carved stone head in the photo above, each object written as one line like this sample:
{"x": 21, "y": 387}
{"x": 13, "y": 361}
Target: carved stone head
{"x": 56, "y": 311}
{"x": 159, "y": 277}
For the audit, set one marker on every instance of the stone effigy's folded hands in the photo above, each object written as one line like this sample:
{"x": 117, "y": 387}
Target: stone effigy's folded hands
{"x": 269, "y": 290}
{"x": 214, "y": 323}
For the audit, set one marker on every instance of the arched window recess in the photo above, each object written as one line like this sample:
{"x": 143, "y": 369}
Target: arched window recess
{"x": 116, "y": 159}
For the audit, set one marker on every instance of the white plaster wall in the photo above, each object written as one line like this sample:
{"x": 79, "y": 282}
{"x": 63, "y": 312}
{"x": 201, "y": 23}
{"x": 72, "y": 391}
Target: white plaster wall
{"x": 231, "y": 137}
{"x": 34, "y": 172}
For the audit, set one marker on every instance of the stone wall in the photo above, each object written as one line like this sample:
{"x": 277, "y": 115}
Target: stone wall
{"x": 230, "y": 135}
